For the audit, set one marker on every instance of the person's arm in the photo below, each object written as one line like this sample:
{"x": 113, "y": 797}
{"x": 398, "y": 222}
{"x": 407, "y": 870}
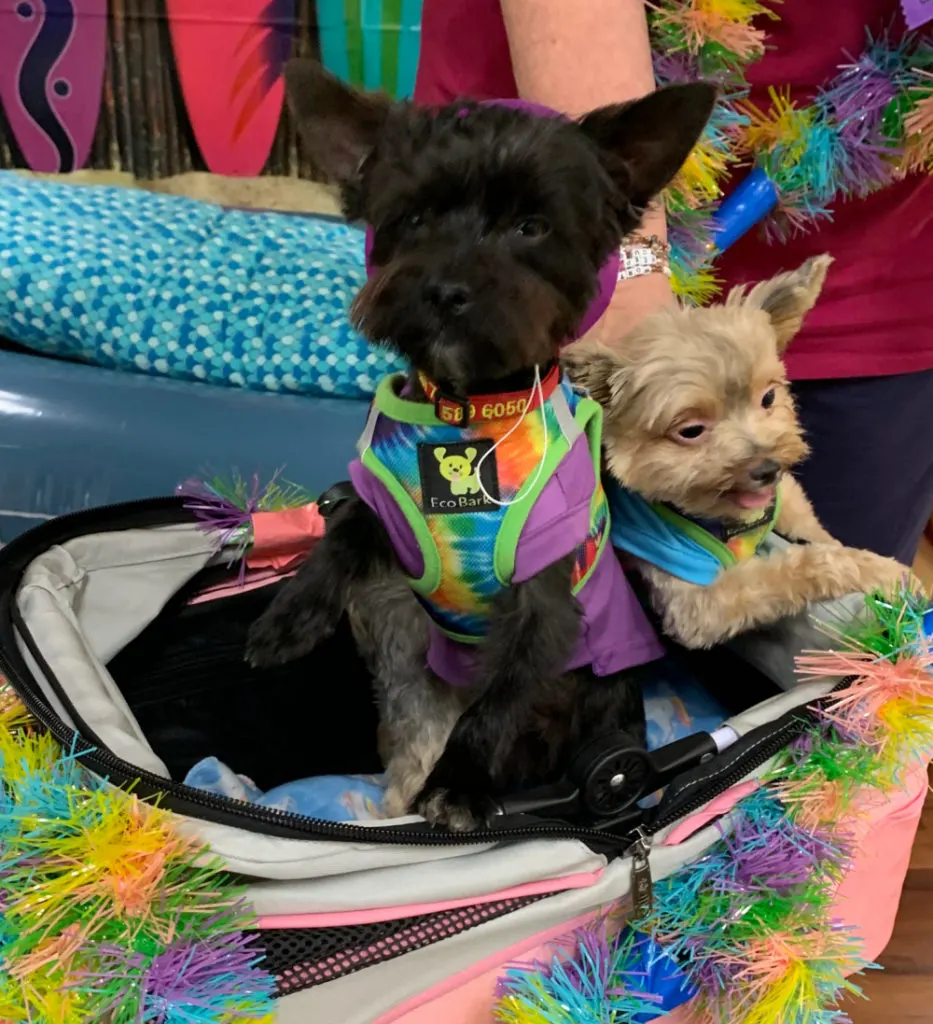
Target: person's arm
{"x": 573, "y": 57}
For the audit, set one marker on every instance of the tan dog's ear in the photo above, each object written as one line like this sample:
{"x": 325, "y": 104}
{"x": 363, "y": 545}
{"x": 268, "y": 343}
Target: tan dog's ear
{"x": 596, "y": 368}
{"x": 786, "y": 298}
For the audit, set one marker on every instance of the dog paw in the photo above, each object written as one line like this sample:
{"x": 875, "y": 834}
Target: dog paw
{"x": 878, "y": 573}
{"x": 275, "y": 640}
{"x": 394, "y": 804}
{"x": 457, "y": 811}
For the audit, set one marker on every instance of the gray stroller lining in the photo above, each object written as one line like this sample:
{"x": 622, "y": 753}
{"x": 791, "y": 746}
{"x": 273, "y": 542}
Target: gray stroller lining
{"x": 85, "y": 602}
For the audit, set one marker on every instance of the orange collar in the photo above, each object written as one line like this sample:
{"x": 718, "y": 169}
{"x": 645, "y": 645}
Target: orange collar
{"x": 463, "y": 411}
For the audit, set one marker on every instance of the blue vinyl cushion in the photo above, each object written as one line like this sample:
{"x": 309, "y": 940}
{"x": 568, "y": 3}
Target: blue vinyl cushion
{"x": 131, "y": 280}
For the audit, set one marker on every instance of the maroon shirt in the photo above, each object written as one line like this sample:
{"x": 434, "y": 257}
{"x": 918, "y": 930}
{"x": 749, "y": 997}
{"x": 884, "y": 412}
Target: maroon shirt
{"x": 875, "y": 316}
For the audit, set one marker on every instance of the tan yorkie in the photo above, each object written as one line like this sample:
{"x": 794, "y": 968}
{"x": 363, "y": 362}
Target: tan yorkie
{"x": 700, "y": 431}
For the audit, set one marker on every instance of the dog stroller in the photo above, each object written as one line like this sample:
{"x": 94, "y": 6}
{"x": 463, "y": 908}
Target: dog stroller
{"x": 768, "y": 869}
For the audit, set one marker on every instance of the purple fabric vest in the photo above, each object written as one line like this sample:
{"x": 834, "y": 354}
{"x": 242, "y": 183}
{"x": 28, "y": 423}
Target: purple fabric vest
{"x": 614, "y": 631}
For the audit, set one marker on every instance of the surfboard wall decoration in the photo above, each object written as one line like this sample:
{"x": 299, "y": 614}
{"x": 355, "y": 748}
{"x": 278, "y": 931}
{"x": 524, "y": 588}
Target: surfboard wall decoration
{"x": 161, "y": 87}
{"x": 52, "y": 56}
{"x": 230, "y": 55}
{"x": 372, "y": 43}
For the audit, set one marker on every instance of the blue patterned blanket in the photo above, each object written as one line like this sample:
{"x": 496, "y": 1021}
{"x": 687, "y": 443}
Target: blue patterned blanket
{"x": 165, "y": 285}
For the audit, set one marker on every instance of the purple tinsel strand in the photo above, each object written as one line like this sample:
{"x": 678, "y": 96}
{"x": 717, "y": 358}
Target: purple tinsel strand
{"x": 856, "y": 103}
{"x": 802, "y": 747}
{"x": 777, "y": 860}
{"x": 196, "y": 981}
{"x": 692, "y": 241}
{"x": 843, "y": 733}
{"x": 866, "y": 167}
{"x": 707, "y": 972}
{"x": 670, "y": 68}
{"x": 766, "y": 851}
{"x": 595, "y": 953}
{"x": 215, "y": 513}
{"x": 859, "y": 97}
{"x": 192, "y": 971}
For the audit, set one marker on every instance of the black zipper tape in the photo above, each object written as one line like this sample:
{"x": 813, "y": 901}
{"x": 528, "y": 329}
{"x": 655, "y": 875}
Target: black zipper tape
{"x": 177, "y": 796}
{"x": 182, "y": 799}
{"x": 758, "y": 747}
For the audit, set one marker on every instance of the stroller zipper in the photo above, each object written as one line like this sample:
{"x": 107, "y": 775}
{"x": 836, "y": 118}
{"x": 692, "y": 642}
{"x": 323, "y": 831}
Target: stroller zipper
{"x": 640, "y": 845}
{"x": 642, "y": 883}
{"x": 185, "y": 799}
{"x": 223, "y": 810}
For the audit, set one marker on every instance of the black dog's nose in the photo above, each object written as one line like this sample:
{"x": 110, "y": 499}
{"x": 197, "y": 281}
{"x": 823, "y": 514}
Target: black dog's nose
{"x": 450, "y": 297}
{"x": 766, "y": 472}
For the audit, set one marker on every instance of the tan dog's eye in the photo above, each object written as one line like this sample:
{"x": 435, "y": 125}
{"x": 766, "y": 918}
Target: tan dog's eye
{"x": 690, "y": 433}
{"x": 767, "y": 399}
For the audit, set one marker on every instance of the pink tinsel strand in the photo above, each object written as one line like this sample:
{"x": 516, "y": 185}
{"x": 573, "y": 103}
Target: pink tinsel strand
{"x": 877, "y": 681}
{"x": 918, "y": 128}
{"x": 701, "y": 27}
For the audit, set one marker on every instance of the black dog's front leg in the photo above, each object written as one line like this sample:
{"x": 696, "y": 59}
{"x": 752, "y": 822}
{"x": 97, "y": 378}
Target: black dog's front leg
{"x": 308, "y": 608}
{"x": 532, "y": 636}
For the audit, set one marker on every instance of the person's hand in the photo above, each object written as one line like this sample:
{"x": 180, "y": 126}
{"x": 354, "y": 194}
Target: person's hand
{"x": 632, "y": 301}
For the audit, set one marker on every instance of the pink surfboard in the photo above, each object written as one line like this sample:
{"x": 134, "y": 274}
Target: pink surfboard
{"x": 230, "y": 55}
{"x": 52, "y": 55}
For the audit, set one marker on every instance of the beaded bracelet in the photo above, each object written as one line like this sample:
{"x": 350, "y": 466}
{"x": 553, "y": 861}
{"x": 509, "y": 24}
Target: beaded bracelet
{"x": 640, "y": 255}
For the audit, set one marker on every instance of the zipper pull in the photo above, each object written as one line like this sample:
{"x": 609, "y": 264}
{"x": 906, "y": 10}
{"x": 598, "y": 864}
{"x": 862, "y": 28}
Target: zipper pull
{"x": 642, "y": 885}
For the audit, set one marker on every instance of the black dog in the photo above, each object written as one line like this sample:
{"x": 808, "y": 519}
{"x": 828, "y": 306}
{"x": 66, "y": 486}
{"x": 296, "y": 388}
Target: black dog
{"x": 490, "y": 227}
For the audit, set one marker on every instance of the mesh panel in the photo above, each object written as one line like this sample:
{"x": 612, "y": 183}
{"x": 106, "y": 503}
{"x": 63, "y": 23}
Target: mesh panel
{"x": 301, "y": 958}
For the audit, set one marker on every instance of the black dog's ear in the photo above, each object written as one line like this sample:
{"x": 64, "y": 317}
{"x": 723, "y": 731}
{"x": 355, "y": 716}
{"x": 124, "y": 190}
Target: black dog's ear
{"x": 646, "y": 142}
{"x": 338, "y": 124}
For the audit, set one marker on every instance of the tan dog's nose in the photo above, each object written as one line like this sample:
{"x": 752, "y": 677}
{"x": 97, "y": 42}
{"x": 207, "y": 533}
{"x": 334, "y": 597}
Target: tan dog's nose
{"x": 765, "y": 473}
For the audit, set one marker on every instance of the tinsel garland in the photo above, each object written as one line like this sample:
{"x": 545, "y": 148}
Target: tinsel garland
{"x": 868, "y": 127}
{"x": 713, "y": 40}
{"x": 225, "y": 507}
{"x": 106, "y": 913}
{"x": 748, "y": 926}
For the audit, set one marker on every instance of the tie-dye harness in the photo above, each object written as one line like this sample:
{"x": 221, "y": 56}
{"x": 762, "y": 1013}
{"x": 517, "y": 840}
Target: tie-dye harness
{"x": 466, "y": 548}
{"x": 695, "y": 550}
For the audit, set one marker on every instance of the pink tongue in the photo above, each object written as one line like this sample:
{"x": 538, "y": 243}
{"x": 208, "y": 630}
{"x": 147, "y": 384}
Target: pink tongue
{"x": 753, "y": 499}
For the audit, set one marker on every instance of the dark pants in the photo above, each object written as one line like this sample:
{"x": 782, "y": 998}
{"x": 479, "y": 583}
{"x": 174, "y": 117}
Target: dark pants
{"x": 870, "y": 473}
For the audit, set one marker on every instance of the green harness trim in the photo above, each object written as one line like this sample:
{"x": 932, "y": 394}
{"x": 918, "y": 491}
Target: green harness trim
{"x": 587, "y": 417}
{"x": 701, "y": 536}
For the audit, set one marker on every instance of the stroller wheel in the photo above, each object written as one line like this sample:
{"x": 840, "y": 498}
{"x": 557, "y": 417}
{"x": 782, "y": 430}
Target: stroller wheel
{"x": 610, "y": 776}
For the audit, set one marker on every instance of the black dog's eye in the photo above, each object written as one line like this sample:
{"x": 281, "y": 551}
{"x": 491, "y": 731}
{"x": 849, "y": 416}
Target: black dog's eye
{"x": 767, "y": 399}
{"x": 414, "y": 220}
{"x": 532, "y": 227}
{"x": 692, "y": 431}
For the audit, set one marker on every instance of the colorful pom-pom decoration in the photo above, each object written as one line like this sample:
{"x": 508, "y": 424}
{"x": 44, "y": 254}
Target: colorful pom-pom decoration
{"x": 225, "y": 506}
{"x": 106, "y": 913}
{"x": 868, "y": 127}
{"x": 746, "y": 932}
{"x": 254, "y": 524}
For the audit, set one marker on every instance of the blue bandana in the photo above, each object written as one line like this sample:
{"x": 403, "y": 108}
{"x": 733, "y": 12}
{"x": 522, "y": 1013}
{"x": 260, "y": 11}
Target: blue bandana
{"x": 691, "y": 550}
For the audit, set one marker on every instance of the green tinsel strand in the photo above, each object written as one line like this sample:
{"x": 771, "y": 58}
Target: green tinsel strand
{"x": 893, "y": 627}
{"x": 275, "y": 496}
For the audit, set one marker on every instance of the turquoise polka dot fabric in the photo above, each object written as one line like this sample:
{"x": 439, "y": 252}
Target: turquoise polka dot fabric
{"x": 164, "y": 285}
